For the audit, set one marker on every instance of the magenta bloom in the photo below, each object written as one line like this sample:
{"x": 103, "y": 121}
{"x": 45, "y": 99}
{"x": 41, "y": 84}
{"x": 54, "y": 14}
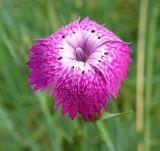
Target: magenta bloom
{"x": 86, "y": 64}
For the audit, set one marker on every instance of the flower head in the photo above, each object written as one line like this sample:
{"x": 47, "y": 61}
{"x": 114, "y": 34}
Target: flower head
{"x": 85, "y": 62}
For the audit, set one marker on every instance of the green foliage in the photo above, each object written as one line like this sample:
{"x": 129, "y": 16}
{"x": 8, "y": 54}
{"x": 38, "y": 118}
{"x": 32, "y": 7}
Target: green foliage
{"x": 28, "y": 121}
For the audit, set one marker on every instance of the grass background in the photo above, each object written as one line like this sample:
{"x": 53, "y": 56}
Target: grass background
{"x": 28, "y": 121}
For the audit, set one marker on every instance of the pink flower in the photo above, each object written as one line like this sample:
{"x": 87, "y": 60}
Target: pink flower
{"x": 85, "y": 62}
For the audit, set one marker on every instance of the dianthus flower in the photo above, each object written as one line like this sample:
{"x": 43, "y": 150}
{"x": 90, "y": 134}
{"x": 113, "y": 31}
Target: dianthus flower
{"x": 86, "y": 64}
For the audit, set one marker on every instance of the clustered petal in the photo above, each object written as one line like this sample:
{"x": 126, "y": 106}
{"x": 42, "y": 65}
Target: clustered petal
{"x": 86, "y": 64}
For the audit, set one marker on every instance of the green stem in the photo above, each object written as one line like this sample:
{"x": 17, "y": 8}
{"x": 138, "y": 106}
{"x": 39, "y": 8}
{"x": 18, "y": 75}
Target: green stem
{"x": 105, "y": 135}
{"x": 149, "y": 72}
{"x": 51, "y": 126}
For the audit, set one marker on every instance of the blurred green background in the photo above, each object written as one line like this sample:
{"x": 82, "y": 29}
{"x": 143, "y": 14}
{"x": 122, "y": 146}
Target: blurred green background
{"x": 28, "y": 121}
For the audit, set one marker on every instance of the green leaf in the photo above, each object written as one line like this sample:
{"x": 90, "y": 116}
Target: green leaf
{"x": 113, "y": 115}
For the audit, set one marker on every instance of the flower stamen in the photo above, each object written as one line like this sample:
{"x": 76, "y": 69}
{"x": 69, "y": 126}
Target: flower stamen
{"x": 80, "y": 56}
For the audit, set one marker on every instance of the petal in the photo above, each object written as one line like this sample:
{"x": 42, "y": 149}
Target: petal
{"x": 81, "y": 92}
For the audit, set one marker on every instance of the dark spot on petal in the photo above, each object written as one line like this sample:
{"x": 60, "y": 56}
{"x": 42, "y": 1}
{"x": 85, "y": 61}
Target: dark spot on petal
{"x": 99, "y": 60}
{"x": 63, "y": 36}
{"x": 73, "y": 32}
{"x": 72, "y": 67}
{"x": 99, "y": 37}
{"x": 95, "y": 70}
{"x": 102, "y": 57}
{"x": 92, "y": 31}
{"x": 83, "y": 72}
{"x": 106, "y": 53}
{"x": 61, "y": 48}
{"x": 60, "y": 58}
